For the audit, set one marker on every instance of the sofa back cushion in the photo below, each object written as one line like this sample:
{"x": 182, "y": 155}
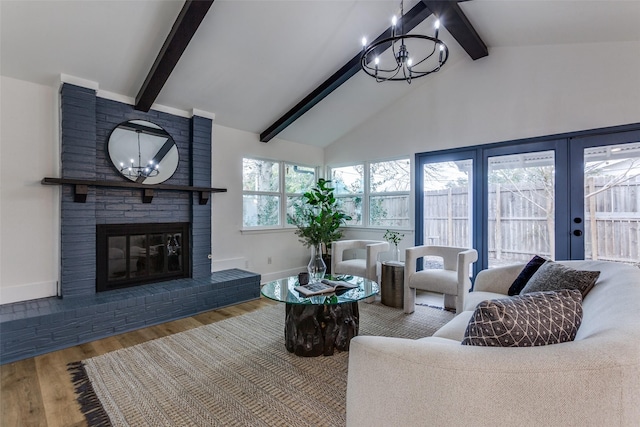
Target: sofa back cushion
{"x": 533, "y": 319}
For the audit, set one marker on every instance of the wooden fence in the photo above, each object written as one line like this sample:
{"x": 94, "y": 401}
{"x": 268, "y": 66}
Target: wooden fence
{"x": 521, "y": 221}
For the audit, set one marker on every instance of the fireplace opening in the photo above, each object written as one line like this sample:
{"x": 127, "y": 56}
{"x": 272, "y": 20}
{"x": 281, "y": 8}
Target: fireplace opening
{"x": 136, "y": 254}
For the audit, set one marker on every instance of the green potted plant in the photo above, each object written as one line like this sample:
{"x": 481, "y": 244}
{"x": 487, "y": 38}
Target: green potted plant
{"x": 319, "y": 218}
{"x": 394, "y": 237}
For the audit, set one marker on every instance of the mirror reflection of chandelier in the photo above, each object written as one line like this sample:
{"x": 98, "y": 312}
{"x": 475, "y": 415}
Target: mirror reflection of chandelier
{"x": 146, "y": 170}
{"x": 403, "y": 56}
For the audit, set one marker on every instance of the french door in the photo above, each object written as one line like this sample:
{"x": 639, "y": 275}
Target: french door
{"x": 605, "y": 197}
{"x": 524, "y": 202}
{"x": 446, "y": 199}
{"x": 575, "y": 197}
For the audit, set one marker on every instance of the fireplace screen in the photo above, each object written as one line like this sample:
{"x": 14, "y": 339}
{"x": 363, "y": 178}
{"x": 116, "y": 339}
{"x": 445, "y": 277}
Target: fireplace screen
{"x": 134, "y": 254}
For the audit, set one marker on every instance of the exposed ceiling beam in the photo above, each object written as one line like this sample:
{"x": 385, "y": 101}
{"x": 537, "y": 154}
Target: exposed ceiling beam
{"x": 452, "y": 18}
{"x": 456, "y": 22}
{"x": 411, "y": 19}
{"x": 187, "y": 22}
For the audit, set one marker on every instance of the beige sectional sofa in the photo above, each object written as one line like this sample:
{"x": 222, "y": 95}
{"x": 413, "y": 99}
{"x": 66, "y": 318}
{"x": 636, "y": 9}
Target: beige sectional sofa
{"x": 436, "y": 381}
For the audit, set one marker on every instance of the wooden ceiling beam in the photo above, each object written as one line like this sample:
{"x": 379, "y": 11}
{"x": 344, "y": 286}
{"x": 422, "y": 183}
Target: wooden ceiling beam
{"x": 185, "y": 26}
{"x": 456, "y": 22}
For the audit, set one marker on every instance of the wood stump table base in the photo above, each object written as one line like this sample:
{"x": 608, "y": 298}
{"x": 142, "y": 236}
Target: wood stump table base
{"x": 313, "y": 330}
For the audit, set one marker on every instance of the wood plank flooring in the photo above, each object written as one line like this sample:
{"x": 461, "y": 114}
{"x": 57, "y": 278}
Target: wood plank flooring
{"x": 38, "y": 391}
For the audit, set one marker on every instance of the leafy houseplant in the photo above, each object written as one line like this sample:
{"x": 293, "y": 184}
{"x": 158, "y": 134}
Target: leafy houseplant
{"x": 394, "y": 238}
{"x": 319, "y": 218}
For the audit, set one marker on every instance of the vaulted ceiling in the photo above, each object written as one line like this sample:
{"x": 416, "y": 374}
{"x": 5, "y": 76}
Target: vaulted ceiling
{"x": 250, "y": 62}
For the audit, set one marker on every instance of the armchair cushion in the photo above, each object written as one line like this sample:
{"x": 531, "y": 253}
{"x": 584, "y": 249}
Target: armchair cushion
{"x": 356, "y": 267}
{"x": 533, "y": 319}
{"x": 526, "y": 273}
{"x": 552, "y": 276}
{"x": 367, "y": 267}
{"x": 437, "y": 280}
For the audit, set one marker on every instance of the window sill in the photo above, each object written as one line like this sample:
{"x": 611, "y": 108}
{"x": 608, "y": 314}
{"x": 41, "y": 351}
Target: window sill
{"x": 267, "y": 230}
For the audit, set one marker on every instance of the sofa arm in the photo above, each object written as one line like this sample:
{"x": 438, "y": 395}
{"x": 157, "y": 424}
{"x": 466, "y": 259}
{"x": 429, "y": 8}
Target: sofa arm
{"x": 498, "y": 279}
{"x": 435, "y": 381}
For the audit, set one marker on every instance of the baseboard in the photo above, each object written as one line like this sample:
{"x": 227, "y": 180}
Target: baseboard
{"x": 268, "y": 277}
{"x": 229, "y": 263}
{"x": 28, "y": 291}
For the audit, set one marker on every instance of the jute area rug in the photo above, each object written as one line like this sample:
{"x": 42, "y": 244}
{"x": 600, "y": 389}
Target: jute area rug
{"x": 235, "y": 372}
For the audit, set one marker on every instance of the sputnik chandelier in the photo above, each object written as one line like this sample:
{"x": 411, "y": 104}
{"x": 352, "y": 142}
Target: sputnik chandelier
{"x": 403, "y": 56}
{"x": 147, "y": 170}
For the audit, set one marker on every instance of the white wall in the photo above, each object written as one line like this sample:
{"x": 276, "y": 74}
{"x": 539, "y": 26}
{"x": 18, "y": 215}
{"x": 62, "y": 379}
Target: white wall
{"x": 29, "y": 211}
{"x": 514, "y": 93}
{"x": 251, "y": 250}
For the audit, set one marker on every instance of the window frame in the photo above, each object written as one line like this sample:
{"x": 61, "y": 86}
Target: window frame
{"x": 281, "y": 194}
{"x": 367, "y": 194}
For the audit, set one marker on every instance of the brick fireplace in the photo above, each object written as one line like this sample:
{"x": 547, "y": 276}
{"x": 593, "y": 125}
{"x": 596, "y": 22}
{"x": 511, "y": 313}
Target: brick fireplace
{"x": 80, "y": 313}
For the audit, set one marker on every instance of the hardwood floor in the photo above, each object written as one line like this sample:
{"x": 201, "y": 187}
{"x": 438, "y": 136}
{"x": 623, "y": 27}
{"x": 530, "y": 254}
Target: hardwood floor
{"x": 38, "y": 391}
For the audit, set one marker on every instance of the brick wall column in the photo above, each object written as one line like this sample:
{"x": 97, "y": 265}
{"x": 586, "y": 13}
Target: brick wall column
{"x": 78, "y": 220}
{"x": 200, "y": 154}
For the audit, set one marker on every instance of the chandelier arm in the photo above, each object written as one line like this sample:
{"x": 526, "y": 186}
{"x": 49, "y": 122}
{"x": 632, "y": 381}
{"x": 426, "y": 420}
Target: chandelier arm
{"x": 426, "y": 57}
{"x": 395, "y": 74}
{"x": 368, "y": 67}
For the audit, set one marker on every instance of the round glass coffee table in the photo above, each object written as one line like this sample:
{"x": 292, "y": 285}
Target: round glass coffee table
{"x": 319, "y": 325}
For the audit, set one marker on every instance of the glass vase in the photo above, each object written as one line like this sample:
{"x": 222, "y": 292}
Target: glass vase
{"x": 316, "y": 266}
{"x": 395, "y": 253}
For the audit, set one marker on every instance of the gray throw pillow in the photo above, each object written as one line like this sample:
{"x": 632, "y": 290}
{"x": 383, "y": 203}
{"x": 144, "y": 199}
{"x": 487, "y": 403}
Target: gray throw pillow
{"x": 535, "y": 319}
{"x": 552, "y": 276}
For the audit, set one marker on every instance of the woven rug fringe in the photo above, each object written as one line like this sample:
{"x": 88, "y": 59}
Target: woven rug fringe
{"x": 90, "y": 405}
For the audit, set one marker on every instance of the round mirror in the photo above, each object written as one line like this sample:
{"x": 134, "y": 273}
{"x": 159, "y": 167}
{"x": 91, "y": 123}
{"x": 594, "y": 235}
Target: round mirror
{"x": 143, "y": 152}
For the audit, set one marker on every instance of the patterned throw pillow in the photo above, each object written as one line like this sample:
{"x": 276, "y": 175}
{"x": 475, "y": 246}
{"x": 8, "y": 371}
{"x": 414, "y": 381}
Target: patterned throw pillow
{"x": 524, "y": 276}
{"x": 552, "y": 276}
{"x": 538, "y": 318}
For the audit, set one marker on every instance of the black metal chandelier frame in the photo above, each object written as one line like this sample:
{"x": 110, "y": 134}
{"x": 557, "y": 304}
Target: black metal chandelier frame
{"x": 404, "y": 69}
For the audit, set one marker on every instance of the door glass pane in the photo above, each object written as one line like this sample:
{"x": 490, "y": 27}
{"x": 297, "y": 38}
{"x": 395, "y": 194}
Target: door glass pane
{"x": 447, "y": 203}
{"x": 521, "y": 207}
{"x": 612, "y": 203}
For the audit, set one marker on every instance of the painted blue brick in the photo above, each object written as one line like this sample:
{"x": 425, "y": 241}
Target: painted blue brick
{"x": 87, "y": 122}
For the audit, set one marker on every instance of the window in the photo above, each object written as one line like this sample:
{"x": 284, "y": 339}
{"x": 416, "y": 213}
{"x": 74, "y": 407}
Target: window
{"x": 386, "y": 187}
{"x": 348, "y": 184}
{"x": 298, "y": 180}
{"x": 265, "y": 184}
{"x": 389, "y": 186}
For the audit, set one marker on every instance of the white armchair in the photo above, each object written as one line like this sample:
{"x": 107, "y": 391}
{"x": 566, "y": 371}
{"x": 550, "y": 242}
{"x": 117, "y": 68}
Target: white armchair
{"x": 452, "y": 281}
{"x": 364, "y": 267}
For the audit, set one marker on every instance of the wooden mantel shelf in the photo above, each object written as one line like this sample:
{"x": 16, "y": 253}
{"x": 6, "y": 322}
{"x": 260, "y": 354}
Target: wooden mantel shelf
{"x": 82, "y": 185}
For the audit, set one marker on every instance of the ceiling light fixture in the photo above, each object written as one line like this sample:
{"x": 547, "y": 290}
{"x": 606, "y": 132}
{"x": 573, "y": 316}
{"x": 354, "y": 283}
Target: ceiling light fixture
{"x": 397, "y": 63}
{"x": 147, "y": 170}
